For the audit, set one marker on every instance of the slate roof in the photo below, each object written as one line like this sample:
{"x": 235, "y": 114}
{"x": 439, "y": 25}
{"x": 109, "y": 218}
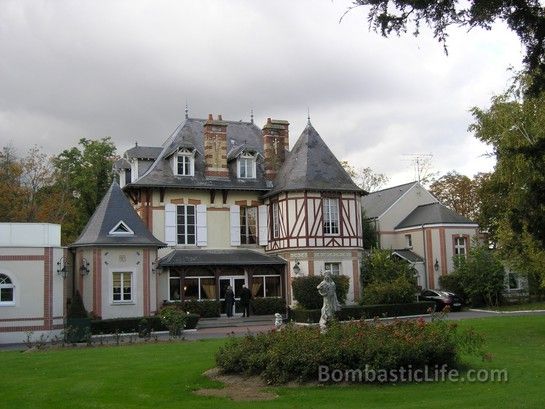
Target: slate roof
{"x": 113, "y": 208}
{"x": 312, "y": 166}
{"x": 433, "y": 213}
{"x": 190, "y": 134}
{"x": 378, "y": 202}
{"x": 217, "y": 258}
{"x": 122, "y": 164}
{"x": 409, "y": 255}
{"x": 143, "y": 152}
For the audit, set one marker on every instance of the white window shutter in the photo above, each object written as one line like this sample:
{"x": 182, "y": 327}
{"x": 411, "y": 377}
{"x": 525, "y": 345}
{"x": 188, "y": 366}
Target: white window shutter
{"x": 201, "y": 225}
{"x": 235, "y": 225}
{"x": 263, "y": 225}
{"x": 170, "y": 224}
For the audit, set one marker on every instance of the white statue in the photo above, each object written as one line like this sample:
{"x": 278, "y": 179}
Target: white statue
{"x": 277, "y": 320}
{"x": 327, "y": 290}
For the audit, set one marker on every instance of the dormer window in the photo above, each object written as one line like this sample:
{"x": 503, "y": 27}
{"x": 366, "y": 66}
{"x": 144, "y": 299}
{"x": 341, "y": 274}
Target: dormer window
{"x": 185, "y": 163}
{"x": 121, "y": 229}
{"x": 246, "y": 166}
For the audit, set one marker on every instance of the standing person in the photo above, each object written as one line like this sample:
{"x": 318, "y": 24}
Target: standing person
{"x": 245, "y": 297}
{"x": 229, "y": 301}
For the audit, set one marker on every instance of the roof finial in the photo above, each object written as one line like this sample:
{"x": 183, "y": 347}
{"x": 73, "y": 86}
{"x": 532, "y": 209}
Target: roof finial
{"x": 251, "y": 116}
{"x": 308, "y": 115}
{"x": 186, "y": 109}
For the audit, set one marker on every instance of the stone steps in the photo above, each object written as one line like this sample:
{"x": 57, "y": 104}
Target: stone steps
{"x": 224, "y": 322}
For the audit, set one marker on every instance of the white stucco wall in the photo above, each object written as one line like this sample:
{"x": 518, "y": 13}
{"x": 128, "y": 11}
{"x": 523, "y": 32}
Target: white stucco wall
{"x": 39, "y": 291}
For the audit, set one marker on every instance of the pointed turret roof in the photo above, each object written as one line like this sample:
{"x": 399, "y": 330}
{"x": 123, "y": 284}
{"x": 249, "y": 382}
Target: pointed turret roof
{"x": 312, "y": 166}
{"x": 116, "y": 223}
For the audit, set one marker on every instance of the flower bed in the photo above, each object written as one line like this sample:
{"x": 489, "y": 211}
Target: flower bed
{"x": 295, "y": 353}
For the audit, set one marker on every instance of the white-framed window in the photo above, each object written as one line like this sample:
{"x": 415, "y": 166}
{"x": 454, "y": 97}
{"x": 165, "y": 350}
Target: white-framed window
{"x": 275, "y": 220}
{"x": 194, "y": 288}
{"x": 460, "y": 246}
{"x": 408, "y": 241}
{"x": 267, "y": 285}
{"x": 7, "y": 291}
{"x": 185, "y": 163}
{"x": 331, "y": 215}
{"x": 333, "y": 268}
{"x": 185, "y": 224}
{"x": 122, "y": 291}
{"x": 248, "y": 225}
{"x": 513, "y": 281}
{"x": 121, "y": 229}
{"x": 246, "y": 167}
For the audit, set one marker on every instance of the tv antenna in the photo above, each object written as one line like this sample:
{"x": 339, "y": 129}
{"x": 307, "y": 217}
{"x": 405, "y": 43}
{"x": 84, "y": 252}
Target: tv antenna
{"x": 421, "y": 164}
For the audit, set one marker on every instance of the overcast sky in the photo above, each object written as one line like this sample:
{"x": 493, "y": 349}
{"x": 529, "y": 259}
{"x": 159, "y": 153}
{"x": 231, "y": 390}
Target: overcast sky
{"x": 125, "y": 69}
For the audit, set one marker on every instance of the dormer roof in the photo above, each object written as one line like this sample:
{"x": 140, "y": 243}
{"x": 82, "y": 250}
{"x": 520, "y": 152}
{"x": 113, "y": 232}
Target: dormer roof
{"x": 116, "y": 223}
{"x": 190, "y": 134}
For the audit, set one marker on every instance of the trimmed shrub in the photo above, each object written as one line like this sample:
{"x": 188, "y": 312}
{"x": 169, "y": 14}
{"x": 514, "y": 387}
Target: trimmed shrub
{"x": 78, "y": 324}
{"x": 306, "y": 293}
{"x": 135, "y": 324}
{"x": 174, "y": 319}
{"x": 268, "y": 306}
{"x": 452, "y": 282}
{"x": 203, "y": 308}
{"x": 356, "y": 312}
{"x": 397, "y": 291}
{"x": 296, "y": 352}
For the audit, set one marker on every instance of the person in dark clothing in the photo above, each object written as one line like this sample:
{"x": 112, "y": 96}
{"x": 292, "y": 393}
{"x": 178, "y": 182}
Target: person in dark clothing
{"x": 229, "y": 301}
{"x": 245, "y": 297}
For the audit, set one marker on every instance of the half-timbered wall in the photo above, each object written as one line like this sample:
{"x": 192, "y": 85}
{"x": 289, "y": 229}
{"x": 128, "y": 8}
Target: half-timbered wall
{"x": 301, "y": 221}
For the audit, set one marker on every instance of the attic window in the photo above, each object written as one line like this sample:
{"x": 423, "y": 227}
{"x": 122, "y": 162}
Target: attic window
{"x": 246, "y": 166}
{"x": 121, "y": 229}
{"x": 185, "y": 163}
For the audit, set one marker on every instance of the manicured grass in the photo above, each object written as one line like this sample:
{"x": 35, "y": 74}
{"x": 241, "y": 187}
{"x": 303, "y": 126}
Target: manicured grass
{"x": 163, "y": 376}
{"x": 520, "y": 307}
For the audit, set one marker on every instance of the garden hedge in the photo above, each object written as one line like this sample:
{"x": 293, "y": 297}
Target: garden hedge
{"x": 136, "y": 324}
{"x": 268, "y": 306}
{"x": 306, "y": 294}
{"x": 357, "y": 312}
{"x": 203, "y": 308}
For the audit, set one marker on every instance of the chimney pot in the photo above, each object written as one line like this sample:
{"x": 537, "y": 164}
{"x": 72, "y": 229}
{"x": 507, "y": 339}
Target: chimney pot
{"x": 220, "y": 118}
{"x": 268, "y": 120}
{"x": 210, "y": 117}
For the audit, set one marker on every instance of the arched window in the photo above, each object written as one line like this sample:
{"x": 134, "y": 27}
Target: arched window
{"x": 6, "y": 290}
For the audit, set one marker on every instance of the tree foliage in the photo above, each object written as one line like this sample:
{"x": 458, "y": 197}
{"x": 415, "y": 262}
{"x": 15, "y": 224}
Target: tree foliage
{"x": 65, "y": 189}
{"x": 525, "y": 17}
{"x": 85, "y": 172}
{"x": 481, "y": 275}
{"x": 460, "y": 193}
{"x": 365, "y": 178}
{"x": 513, "y": 196}
{"x": 387, "y": 279}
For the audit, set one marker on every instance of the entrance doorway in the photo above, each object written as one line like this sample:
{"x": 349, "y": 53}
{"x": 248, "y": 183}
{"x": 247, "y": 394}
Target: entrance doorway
{"x": 236, "y": 282}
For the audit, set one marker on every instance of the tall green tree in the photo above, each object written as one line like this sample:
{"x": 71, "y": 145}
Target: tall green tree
{"x": 85, "y": 172}
{"x": 513, "y": 196}
{"x": 525, "y": 17}
{"x": 11, "y": 190}
{"x": 459, "y": 192}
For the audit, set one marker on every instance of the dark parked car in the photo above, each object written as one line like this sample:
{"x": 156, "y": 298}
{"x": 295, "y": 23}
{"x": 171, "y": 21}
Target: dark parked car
{"x": 442, "y": 299}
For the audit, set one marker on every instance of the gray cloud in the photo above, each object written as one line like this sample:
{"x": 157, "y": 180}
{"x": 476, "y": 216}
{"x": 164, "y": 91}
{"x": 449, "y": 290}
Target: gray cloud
{"x": 125, "y": 69}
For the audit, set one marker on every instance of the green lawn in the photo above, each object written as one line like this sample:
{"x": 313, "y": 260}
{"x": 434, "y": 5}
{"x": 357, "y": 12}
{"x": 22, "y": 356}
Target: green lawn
{"x": 163, "y": 376}
{"x": 520, "y": 307}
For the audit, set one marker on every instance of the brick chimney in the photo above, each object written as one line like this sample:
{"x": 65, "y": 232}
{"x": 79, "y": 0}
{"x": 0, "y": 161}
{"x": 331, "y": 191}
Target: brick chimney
{"x": 215, "y": 147}
{"x": 275, "y": 145}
